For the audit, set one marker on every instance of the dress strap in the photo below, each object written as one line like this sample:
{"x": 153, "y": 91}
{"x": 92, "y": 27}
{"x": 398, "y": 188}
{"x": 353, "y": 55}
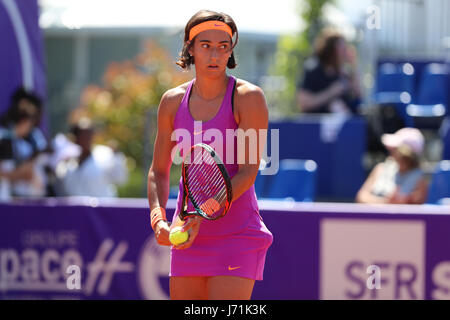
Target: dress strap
{"x": 230, "y": 90}
{"x": 187, "y": 94}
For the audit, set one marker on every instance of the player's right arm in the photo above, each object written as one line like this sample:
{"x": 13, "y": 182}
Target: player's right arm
{"x": 158, "y": 183}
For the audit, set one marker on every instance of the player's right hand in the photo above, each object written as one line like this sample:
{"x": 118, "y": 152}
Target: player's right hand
{"x": 162, "y": 230}
{"x": 192, "y": 225}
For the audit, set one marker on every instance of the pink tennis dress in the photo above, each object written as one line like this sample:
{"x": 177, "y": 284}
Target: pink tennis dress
{"x": 235, "y": 245}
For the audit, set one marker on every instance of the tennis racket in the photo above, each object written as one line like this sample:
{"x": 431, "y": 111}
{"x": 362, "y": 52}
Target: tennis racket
{"x": 206, "y": 184}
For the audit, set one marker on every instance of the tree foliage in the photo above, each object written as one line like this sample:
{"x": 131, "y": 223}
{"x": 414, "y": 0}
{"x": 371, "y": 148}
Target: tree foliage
{"x": 130, "y": 90}
{"x": 124, "y": 107}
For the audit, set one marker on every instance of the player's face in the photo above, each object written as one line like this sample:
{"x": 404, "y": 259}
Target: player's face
{"x": 211, "y": 51}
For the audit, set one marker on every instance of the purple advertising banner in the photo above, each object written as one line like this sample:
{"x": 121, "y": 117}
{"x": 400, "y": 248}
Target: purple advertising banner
{"x": 21, "y": 51}
{"x": 87, "y": 248}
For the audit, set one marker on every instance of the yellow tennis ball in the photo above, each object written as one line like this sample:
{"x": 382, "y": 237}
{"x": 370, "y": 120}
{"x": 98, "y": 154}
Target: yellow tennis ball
{"x": 177, "y": 237}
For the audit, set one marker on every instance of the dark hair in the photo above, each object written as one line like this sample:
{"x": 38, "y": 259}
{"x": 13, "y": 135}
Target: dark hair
{"x": 19, "y": 111}
{"x": 325, "y": 47}
{"x": 186, "y": 59}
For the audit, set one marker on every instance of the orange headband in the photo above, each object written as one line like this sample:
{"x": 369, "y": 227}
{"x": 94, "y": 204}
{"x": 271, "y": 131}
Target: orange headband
{"x": 210, "y": 25}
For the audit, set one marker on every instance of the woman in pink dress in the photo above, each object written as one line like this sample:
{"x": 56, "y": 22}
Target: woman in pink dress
{"x": 222, "y": 258}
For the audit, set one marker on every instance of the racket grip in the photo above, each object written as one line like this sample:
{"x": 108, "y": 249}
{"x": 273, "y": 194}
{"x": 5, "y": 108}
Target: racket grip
{"x": 210, "y": 206}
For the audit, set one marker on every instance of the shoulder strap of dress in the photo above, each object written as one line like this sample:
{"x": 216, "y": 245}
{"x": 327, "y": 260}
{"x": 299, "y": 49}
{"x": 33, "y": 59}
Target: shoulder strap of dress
{"x": 229, "y": 96}
{"x": 187, "y": 94}
{"x": 232, "y": 95}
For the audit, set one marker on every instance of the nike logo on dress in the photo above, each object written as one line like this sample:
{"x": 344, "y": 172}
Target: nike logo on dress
{"x": 230, "y": 268}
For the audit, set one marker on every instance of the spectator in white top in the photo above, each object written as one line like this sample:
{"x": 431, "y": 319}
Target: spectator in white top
{"x": 399, "y": 179}
{"x": 96, "y": 171}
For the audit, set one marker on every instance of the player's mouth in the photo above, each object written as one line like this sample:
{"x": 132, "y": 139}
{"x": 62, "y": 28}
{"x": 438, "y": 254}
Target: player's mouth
{"x": 213, "y": 67}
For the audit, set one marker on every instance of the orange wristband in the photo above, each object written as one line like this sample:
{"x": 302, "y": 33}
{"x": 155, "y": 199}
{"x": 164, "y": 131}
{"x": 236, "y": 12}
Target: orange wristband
{"x": 156, "y": 215}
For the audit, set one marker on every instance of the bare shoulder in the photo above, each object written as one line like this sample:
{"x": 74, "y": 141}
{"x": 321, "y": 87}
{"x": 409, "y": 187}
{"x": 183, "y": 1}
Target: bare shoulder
{"x": 249, "y": 100}
{"x": 248, "y": 90}
{"x": 377, "y": 170}
{"x": 171, "y": 99}
{"x": 175, "y": 95}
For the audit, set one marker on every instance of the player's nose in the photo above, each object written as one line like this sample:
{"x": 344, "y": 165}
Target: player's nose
{"x": 214, "y": 53}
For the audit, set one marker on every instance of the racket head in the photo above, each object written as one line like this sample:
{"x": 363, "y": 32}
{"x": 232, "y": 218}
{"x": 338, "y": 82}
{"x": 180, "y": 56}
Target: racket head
{"x": 206, "y": 184}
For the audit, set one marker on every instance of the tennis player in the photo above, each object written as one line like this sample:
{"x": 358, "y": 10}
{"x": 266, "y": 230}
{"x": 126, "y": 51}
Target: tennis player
{"x": 221, "y": 259}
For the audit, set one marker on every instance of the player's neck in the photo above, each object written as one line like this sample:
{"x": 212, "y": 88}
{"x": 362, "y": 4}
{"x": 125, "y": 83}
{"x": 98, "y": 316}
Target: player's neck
{"x": 210, "y": 88}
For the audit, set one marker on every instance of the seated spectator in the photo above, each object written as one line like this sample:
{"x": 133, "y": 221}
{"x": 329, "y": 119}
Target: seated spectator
{"x": 96, "y": 170}
{"x": 399, "y": 179}
{"x": 330, "y": 83}
{"x": 23, "y": 146}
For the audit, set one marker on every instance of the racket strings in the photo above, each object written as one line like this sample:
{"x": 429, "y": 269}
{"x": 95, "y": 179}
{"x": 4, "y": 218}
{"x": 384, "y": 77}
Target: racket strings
{"x": 205, "y": 182}
{"x": 207, "y": 169}
{"x": 209, "y": 160}
{"x": 210, "y": 175}
{"x": 203, "y": 176}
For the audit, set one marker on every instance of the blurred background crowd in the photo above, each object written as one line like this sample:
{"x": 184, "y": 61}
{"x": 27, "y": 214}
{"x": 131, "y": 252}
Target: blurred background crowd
{"x": 332, "y": 64}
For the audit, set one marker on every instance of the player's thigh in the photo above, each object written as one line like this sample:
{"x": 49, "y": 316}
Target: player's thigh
{"x": 229, "y": 288}
{"x": 188, "y": 288}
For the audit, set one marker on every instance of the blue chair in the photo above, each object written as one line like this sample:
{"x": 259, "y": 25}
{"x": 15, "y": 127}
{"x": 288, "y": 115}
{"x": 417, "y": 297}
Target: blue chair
{"x": 431, "y": 105}
{"x": 395, "y": 86}
{"x": 395, "y": 78}
{"x": 262, "y": 181}
{"x": 295, "y": 179}
{"x": 260, "y": 185}
{"x": 445, "y": 134}
{"x": 434, "y": 84}
{"x": 439, "y": 188}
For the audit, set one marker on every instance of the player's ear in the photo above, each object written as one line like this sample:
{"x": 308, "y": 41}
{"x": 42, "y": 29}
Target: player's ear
{"x": 190, "y": 47}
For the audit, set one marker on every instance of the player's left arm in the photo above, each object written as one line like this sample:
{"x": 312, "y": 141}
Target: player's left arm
{"x": 253, "y": 121}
